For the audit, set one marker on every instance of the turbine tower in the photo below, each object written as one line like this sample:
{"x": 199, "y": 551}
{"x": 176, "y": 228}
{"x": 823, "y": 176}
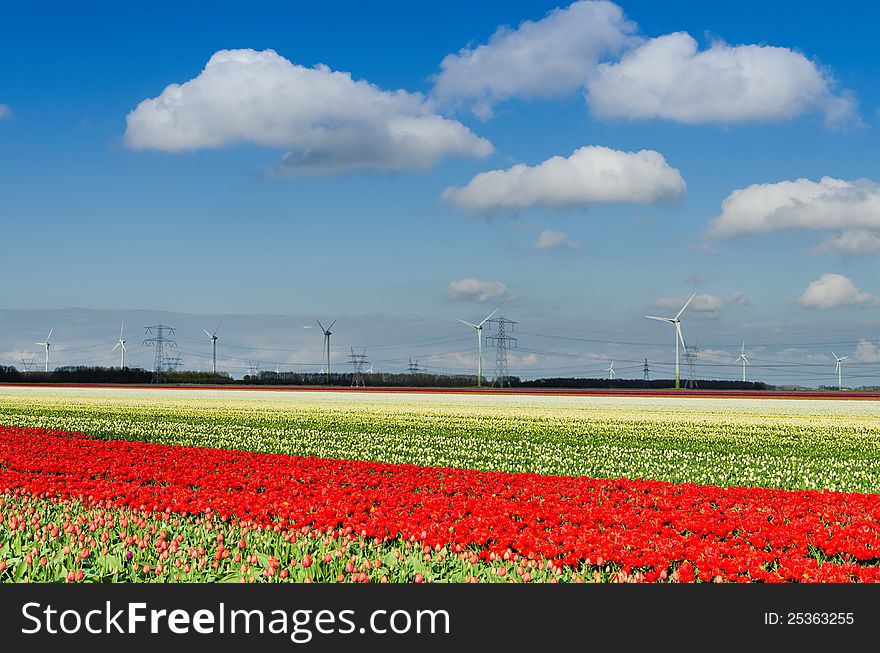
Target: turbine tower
{"x": 47, "y": 344}
{"x": 327, "y": 334}
{"x": 479, "y": 329}
{"x": 745, "y": 361}
{"x": 120, "y": 344}
{"x": 213, "y": 337}
{"x": 676, "y": 322}
{"x": 839, "y": 369}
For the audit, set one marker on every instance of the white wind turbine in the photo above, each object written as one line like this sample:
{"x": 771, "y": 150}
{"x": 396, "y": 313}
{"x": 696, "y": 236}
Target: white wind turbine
{"x": 839, "y": 370}
{"x": 676, "y": 321}
{"x": 745, "y": 361}
{"x": 479, "y": 330}
{"x": 213, "y": 337}
{"x": 610, "y": 370}
{"x": 47, "y": 344}
{"x": 121, "y": 343}
{"x": 327, "y": 334}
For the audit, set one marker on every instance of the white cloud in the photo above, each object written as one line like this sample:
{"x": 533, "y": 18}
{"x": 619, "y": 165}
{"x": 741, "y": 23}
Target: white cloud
{"x": 527, "y": 360}
{"x": 850, "y": 243}
{"x": 480, "y": 291}
{"x": 701, "y": 248}
{"x": 540, "y": 59}
{"x": 829, "y": 204}
{"x": 702, "y": 303}
{"x": 740, "y": 298}
{"x": 555, "y": 240}
{"x": 668, "y": 77}
{"x": 592, "y": 174}
{"x": 833, "y": 291}
{"x": 716, "y": 356}
{"x": 5, "y": 111}
{"x": 329, "y": 121}
{"x": 866, "y": 352}
{"x": 800, "y": 355}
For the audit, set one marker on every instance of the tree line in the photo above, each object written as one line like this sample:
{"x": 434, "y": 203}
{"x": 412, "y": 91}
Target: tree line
{"x": 135, "y": 375}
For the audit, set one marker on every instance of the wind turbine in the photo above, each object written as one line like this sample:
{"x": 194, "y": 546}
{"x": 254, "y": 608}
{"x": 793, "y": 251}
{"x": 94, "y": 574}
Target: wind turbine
{"x": 610, "y": 370}
{"x": 676, "y": 321}
{"x": 213, "y": 337}
{"x": 327, "y": 334}
{"x": 479, "y": 330}
{"x": 745, "y": 361}
{"x": 121, "y": 343}
{"x": 839, "y": 370}
{"x": 47, "y": 344}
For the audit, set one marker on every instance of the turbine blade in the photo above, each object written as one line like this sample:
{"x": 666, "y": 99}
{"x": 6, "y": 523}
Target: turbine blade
{"x": 206, "y": 332}
{"x": 685, "y": 305}
{"x": 116, "y": 345}
{"x": 121, "y": 327}
{"x": 844, "y": 358}
{"x": 680, "y": 336}
{"x": 746, "y": 360}
{"x": 50, "y": 334}
{"x": 468, "y": 323}
{"x": 331, "y": 325}
{"x": 661, "y": 319}
{"x": 320, "y": 325}
{"x": 489, "y": 315}
{"x": 835, "y": 355}
{"x": 217, "y": 329}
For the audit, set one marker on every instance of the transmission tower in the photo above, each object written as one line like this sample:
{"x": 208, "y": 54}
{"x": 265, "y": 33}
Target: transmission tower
{"x": 253, "y": 368}
{"x": 691, "y": 353}
{"x": 27, "y": 363}
{"x": 647, "y": 373}
{"x": 157, "y": 337}
{"x": 502, "y": 342}
{"x": 414, "y": 366}
{"x": 357, "y": 362}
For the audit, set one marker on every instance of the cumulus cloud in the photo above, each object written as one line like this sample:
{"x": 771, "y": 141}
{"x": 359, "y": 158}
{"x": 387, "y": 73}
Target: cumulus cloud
{"x": 669, "y": 77}
{"x": 866, "y": 352}
{"x": 701, "y": 248}
{"x": 702, "y": 303}
{"x": 716, "y": 356}
{"x": 5, "y": 111}
{"x": 527, "y": 360}
{"x": 479, "y": 291}
{"x": 591, "y": 47}
{"x": 540, "y": 59}
{"x": 555, "y": 240}
{"x": 800, "y": 355}
{"x": 829, "y": 204}
{"x": 833, "y": 291}
{"x": 851, "y": 242}
{"x": 328, "y": 121}
{"x": 740, "y": 298}
{"x": 592, "y": 174}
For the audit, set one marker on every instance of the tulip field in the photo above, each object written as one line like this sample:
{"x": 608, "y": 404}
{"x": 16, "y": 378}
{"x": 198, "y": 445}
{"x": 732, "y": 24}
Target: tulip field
{"x": 165, "y": 485}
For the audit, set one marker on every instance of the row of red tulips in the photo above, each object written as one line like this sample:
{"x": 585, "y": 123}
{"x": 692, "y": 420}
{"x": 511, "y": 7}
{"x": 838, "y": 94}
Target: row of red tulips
{"x": 58, "y": 540}
{"x": 654, "y": 527}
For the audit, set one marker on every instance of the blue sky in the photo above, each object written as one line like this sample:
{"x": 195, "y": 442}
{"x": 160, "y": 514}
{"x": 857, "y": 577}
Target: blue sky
{"x": 101, "y": 213}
